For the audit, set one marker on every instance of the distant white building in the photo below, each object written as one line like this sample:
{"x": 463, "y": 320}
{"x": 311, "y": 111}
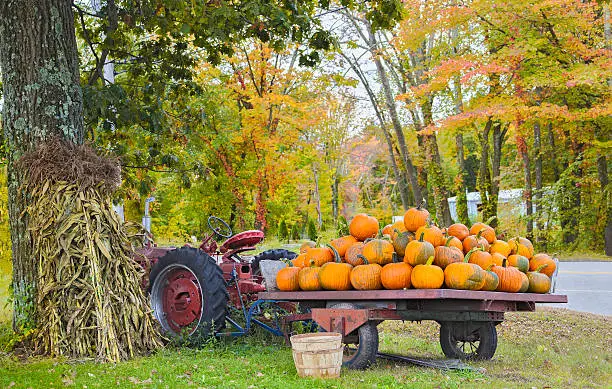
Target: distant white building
{"x": 511, "y": 199}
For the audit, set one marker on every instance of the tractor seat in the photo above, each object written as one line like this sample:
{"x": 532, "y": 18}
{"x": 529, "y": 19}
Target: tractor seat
{"x": 246, "y": 239}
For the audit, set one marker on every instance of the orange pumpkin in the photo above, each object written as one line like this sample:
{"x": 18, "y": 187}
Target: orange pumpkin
{"x": 491, "y": 280}
{"x": 342, "y": 244}
{"x": 299, "y": 261}
{"x": 519, "y": 261}
{"x": 500, "y": 247}
{"x": 396, "y": 275}
{"x": 378, "y": 251}
{"x": 538, "y": 281}
{"x": 521, "y": 246}
{"x": 366, "y": 276}
{"x": 308, "y": 277}
{"x": 432, "y": 234}
{"x": 427, "y": 276}
{"x": 320, "y": 256}
{"x": 400, "y": 242}
{"x": 464, "y": 275}
{"x": 543, "y": 259}
{"x": 475, "y": 241}
{"x": 287, "y": 279}
{"x": 335, "y": 275}
{"x": 479, "y": 257}
{"x": 415, "y": 218}
{"x": 397, "y": 228}
{"x": 306, "y": 246}
{"x": 485, "y": 231}
{"x": 363, "y": 227}
{"x": 387, "y": 229}
{"x": 498, "y": 259}
{"x": 352, "y": 254}
{"x": 453, "y": 241}
{"x": 458, "y": 230}
{"x": 445, "y": 255}
{"x": 510, "y": 279}
{"x": 418, "y": 251}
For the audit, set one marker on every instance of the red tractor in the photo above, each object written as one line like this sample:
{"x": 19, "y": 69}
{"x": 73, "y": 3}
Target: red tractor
{"x": 192, "y": 288}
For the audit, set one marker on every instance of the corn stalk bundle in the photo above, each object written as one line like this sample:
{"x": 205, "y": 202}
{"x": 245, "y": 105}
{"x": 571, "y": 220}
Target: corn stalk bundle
{"x": 89, "y": 301}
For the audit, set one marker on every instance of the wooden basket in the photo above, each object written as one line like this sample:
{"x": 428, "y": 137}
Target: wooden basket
{"x": 318, "y": 354}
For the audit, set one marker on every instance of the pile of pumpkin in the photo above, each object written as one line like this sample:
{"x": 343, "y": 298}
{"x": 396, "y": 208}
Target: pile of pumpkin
{"x": 414, "y": 253}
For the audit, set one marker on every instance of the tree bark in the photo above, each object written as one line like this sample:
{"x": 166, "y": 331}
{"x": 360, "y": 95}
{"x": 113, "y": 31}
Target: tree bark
{"x": 606, "y": 201}
{"x": 335, "y": 197}
{"x": 499, "y": 135}
{"x": 553, "y": 153}
{"x": 399, "y": 176}
{"x": 537, "y": 136}
{"x": 461, "y": 188}
{"x": 397, "y": 126}
{"x": 42, "y": 100}
{"x": 484, "y": 175}
{"x": 522, "y": 149}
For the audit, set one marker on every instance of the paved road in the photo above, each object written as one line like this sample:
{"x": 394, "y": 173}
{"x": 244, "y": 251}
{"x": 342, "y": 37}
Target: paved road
{"x": 588, "y": 286}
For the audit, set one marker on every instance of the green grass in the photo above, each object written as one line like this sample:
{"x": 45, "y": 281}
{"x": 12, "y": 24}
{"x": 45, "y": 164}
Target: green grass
{"x": 548, "y": 348}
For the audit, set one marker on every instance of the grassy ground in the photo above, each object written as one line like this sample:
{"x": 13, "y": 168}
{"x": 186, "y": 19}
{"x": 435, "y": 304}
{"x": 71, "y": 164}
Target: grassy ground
{"x": 548, "y": 348}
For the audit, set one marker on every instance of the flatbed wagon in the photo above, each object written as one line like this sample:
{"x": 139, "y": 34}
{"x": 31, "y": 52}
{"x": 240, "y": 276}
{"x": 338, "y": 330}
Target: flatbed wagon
{"x": 467, "y": 319}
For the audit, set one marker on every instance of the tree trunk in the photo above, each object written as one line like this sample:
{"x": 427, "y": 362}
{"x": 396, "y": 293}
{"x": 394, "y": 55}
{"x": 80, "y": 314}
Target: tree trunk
{"x": 537, "y": 136}
{"x": 436, "y": 173}
{"x": 335, "y": 200}
{"x": 399, "y": 176}
{"x": 498, "y": 142}
{"x": 317, "y": 197}
{"x": 523, "y": 152}
{"x": 484, "y": 176}
{"x": 606, "y": 201}
{"x": 553, "y": 153}
{"x": 397, "y": 126}
{"x": 42, "y": 100}
{"x": 461, "y": 188}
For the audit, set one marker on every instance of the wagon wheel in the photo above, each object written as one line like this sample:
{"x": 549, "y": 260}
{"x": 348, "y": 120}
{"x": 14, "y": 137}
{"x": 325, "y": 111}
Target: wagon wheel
{"x": 188, "y": 293}
{"x": 468, "y": 340}
{"x": 361, "y": 345}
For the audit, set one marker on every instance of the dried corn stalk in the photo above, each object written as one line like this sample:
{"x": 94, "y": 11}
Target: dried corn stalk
{"x": 89, "y": 302}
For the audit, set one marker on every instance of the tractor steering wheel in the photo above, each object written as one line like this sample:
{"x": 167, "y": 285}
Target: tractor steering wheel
{"x": 219, "y": 227}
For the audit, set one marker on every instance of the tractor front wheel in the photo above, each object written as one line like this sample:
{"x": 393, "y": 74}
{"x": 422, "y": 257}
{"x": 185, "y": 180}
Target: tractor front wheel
{"x": 188, "y": 293}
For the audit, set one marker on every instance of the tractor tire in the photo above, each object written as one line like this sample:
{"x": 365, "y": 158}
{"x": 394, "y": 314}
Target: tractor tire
{"x": 188, "y": 293}
{"x": 365, "y": 340}
{"x": 272, "y": 255}
{"x": 478, "y": 344}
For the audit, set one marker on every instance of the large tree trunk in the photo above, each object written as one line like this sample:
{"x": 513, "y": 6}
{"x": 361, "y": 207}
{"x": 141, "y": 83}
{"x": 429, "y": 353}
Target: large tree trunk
{"x": 436, "y": 174}
{"x": 499, "y": 135}
{"x": 42, "y": 99}
{"x": 552, "y": 150}
{"x": 484, "y": 175}
{"x": 397, "y": 126}
{"x": 537, "y": 150}
{"x": 461, "y": 187}
{"x": 524, "y": 153}
{"x": 606, "y": 201}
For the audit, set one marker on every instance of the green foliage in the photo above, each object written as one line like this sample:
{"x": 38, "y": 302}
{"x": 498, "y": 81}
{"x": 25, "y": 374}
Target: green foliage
{"x": 295, "y": 232}
{"x": 283, "y": 232}
{"x": 342, "y": 228}
{"x": 313, "y": 234}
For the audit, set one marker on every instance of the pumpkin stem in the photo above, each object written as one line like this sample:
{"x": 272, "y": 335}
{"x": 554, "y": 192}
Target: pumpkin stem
{"x": 421, "y": 237}
{"x": 429, "y": 261}
{"x": 364, "y": 259}
{"x": 420, "y": 205}
{"x": 448, "y": 240}
{"x": 541, "y": 267}
{"x": 469, "y": 254}
{"x": 489, "y": 220}
{"x": 312, "y": 263}
{"x": 287, "y": 262}
{"x": 490, "y": 267}
{"x": 479, "y": 234}
{"x": 337, "y": 258}
{"x": 505, "y": 262}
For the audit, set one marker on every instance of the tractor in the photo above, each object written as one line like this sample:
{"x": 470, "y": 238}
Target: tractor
{"x": 192, "y": 289}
